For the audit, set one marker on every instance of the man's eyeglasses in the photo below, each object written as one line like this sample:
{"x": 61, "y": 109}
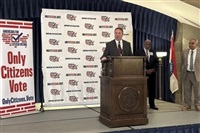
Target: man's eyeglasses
{"x": 191, "y": 42}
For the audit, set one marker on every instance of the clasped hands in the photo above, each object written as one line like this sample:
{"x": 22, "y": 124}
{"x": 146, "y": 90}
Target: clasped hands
{"x": 149, "y": 71}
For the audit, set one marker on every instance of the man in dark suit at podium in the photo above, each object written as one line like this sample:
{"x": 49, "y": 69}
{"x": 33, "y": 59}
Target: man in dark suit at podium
{"x": 117, "y": 47}
{"x": 151, "y": 67}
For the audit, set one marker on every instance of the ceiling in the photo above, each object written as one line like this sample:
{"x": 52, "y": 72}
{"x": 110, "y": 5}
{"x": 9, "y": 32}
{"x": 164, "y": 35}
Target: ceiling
{"x": 185, "y": 11}
{"x": 195, "y": 3}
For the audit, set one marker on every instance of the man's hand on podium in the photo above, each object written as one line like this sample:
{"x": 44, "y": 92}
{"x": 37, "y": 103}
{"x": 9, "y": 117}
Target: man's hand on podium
{"x": 103, "y": 59}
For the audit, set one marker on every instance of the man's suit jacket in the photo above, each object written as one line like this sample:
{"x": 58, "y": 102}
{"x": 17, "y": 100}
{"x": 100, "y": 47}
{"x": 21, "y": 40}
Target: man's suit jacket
{"x": 153, "y": 63}
{"x": 112, "y": 50}
{"x": 196, "y": 63}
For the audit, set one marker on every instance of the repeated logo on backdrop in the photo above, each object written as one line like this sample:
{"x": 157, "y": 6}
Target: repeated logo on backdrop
{"x": 90, "y": 90}
{"x": 72, "y": 66}
{"x": 73, "y": 98}
{"x": 53, "y": 25}
{"x": 73, "y": 82}
{"x": 89, "y": 42}
{"x": 53, "y": 42}
{"x": 73, "y": 45}
{"x": 72, "y": 50}
{"x": 89, "y": 58}
{"x": 89, "y": 26}
{"x": 54, "y": 58}
{"x": 105, "y": 34}
{"x": 55, "y": 92}
{"x": 90, "y": 74}
{"x": 122, "y": 26}
{"x": 71, "y": 33}
{"x": 105, "y": 18}
{"x": 71, "y": 17}
{"x": 54, "y": 75}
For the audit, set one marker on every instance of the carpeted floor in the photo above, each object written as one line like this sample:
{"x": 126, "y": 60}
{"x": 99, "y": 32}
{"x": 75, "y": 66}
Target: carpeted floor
{"x": 85, "y": 120}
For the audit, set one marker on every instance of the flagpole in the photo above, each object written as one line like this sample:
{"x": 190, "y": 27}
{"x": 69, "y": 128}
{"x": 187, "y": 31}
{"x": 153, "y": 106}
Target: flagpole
{"x": 173, "y": 72}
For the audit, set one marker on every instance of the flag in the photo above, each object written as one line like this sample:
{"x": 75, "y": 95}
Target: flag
{"x": 173, "y": 70}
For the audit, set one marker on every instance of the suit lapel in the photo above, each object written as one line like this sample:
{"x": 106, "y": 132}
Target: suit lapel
{"x": 186, "y": 55}
{"x": 197, "y": 57}
{"x": 115, "y": 47}
{"x": 143, "y": 52}
{"x": 123, "y": 47}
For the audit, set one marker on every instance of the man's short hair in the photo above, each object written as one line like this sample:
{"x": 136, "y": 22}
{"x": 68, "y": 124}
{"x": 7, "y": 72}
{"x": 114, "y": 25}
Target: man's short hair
{"x": 119, "y": 28}
{"x": 196, "y": 40}
{"x": 147, "y": 40}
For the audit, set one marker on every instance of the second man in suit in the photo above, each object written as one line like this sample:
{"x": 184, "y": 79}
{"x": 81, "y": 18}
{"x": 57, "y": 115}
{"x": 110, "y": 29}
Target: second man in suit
{"x": 151, "y": 67}
{"x": 118, "y": 46}
{"x": 191, "y": 74}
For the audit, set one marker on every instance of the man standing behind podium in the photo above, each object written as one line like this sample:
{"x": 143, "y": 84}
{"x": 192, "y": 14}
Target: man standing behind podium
{"x": 151, "y": 67}
{"x": 117, "y": 47}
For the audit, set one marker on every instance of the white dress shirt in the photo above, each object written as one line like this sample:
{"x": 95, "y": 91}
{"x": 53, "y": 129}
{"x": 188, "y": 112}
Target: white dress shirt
{"x": 121, "y": 43}
{"x": 147, "y": 52}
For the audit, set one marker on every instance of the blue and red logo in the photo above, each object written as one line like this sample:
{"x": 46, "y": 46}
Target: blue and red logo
{"x": 53, "y": 25}
{"x": 54, "y": 75}
{"x": 89, "y": 26}
{"x": 71, "y": 17}
{"x": 105, "y": 34}
{"x": 14, "y": 38}
{"x": 90, "y": 89}
{"x": 53, "y": 42}
{"x": 89, "y": 58}
{"x": 71, "y": 33}
{"x": 90, "y": 74}
{"x": 54, "y": 58}
{"x": 105, "y": 18}
{"x": 72, "y": 66}
{"x": 73, "y": 98}
{"x": 72, "y": 50}
{"x": 122, "y": 26}
{"x": 73, "y": 82}
{"x": 89, "y": 42}
{"x": 55, "y": 92}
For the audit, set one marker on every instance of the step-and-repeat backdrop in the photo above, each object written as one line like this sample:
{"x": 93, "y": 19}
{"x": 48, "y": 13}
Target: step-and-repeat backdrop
{"x": 72, "y": 44}
{"x": 16, "y": 64}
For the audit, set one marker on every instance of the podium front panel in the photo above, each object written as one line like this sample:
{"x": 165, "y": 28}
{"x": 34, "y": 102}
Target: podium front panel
{"x": 123, "y": 101}
{"x": 125, "y": 66}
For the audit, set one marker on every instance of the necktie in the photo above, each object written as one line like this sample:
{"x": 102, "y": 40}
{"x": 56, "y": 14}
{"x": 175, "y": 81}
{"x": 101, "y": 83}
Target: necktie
{"x": 147, "y": 54}
{"x": 119, "y": 48}
{"x": 191, "y": 61}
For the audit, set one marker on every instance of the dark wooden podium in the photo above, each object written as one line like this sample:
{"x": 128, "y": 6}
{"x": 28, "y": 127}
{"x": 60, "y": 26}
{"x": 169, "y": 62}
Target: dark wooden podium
{"x": 123, "y": 91}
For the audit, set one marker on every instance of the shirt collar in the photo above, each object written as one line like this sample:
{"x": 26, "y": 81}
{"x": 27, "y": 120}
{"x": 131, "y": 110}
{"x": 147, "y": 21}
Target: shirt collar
{"x": 118, "y": 41}
{"x": 194, "y": 50}
{"x": 146, "y": 49}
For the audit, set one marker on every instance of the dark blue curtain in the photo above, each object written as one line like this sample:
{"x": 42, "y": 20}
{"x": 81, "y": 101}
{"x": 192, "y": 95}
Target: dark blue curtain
{"x": 158, "y": 28}
{"x": 146, "y": 24}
